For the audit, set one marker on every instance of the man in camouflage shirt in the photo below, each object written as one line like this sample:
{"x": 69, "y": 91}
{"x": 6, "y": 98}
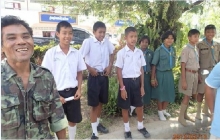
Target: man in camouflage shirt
{"x": 30, "y": 104}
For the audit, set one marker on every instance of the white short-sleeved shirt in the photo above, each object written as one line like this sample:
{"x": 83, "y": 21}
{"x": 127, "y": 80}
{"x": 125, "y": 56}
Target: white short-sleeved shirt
{"x": 213, "y": 81}
{"x": 130, "y": 62}
{"x": 64, "y": 67}
{"x": 97, "y": 53}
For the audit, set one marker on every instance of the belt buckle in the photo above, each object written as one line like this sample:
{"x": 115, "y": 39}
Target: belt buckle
{"x": 102, "y": 74}
{"x": 67, "y": 89}
{"x": 134, "y": 79}
{"x": 146, "y": 72}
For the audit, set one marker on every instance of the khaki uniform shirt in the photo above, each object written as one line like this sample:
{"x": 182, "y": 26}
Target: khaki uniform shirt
{"x": 191, "y": 58}
{"x": 206, "y": 60}
{"x": 31, "y": 113}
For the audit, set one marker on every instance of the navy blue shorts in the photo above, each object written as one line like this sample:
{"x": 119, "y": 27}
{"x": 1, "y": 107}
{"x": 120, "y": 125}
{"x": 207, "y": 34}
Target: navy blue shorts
{"x": 132, "y": 87}
{"x": 72, "y": 108}
{"x": 97, "y": 90}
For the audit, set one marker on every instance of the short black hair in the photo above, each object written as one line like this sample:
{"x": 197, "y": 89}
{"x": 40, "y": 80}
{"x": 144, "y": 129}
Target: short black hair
{"x": 167, "y": 34}
{"x": 97, "y": 25}
{"x": 143, "y": 38}
{"x": 193, "y": 32}
{"x": 13, "y": 20}
{"x": 63, "y": 24}
{"x": 130, "y": 29}
{"x": 210, "y": 26}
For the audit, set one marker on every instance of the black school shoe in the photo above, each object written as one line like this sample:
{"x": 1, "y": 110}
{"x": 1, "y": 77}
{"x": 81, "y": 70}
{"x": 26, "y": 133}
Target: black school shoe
{"x": 128, "y": 135}
{"x": 102, "y": 129}
{"x": 144, "y": 132}
{"x": 94, "y": 137}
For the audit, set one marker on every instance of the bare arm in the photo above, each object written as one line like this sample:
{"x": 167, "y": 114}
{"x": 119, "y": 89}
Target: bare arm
{"x": 119, "y": 75}
{"x": 210, "y": 97}
{"x": 183, "y": 71}
{"x": 153, "y": 74}
{"x": 79, "y": 79}
{"x": 142, "y": 77}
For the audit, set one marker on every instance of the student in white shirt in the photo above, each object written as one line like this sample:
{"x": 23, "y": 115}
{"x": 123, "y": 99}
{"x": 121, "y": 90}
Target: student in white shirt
{"x": 98, "y": 54}
{"x": 66, "y": 65}
{"x": 129, "y": 63}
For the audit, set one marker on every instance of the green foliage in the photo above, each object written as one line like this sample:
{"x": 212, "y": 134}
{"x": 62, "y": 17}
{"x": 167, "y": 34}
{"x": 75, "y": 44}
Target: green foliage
{"x": 111, "y": 107}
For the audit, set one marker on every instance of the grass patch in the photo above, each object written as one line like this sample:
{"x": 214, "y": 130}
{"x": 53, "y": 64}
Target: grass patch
{"x": 84, "y": 130}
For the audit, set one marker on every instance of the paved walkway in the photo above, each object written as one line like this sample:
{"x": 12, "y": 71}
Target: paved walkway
{"x": 165, "y": 130}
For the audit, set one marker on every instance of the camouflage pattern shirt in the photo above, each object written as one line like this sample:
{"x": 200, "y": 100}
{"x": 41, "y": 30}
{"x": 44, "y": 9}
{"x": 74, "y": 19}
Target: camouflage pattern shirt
{"x": 32, "y": 113}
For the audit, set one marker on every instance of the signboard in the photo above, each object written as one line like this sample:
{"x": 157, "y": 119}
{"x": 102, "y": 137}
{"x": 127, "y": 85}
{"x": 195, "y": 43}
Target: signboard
{"x": 56, "y": 18}
{"x": 12, "y": 5}
{"x": 122, "y": 23}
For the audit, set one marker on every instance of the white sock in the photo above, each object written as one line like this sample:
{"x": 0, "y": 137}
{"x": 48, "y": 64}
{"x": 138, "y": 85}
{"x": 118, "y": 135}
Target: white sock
{"x": 72, "y": 132}
{"x": 132, "y": 109}
{"x": 140, "y": 125}
{"x": 98, "y": 120}
{"x": 127, "y": 127}
{"x": 94, "y": 128}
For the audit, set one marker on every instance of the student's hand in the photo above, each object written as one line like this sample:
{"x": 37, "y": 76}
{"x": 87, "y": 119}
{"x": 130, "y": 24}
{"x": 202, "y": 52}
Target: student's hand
{"x": 107, "y": 70}
{"x": 62, "y": 100}
{"x": 77, "y": 95}
{"x": 93, "y": 72}
{"x": 124, "y": 94}
{"x": 142, "y": 91}
{"x": 184, "y": 85}
{"x": 199, "y": 79}
{"x": 154, "y": 83}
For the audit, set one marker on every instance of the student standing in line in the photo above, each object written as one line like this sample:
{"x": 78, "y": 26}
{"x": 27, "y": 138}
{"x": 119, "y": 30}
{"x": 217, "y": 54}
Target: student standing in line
{"x": 66, "y": 65}
{"x": 99, "y": 57}
{"x": 209, "y": 55}
{"x": 162, "y": 75}
{"x": 148, "y": 55}
{"x": 189, "y": 74}
{"x": 129, "y": 63}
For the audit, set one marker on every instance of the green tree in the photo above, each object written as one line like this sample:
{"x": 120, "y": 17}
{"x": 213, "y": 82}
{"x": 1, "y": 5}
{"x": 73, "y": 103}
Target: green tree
{"x": 150, "y": 17}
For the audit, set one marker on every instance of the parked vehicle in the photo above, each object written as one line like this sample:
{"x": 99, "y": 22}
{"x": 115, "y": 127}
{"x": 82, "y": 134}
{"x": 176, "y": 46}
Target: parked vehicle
{"x": 78, "y": 37}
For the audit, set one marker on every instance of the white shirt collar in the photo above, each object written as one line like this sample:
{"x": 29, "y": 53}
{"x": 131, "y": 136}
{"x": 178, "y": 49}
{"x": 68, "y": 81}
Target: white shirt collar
{"x": 128, "y": 49}
{"x": 95, "y": 40}
{"x": 58, "y": 49}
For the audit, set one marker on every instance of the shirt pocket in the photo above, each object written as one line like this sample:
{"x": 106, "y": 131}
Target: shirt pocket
{"x": 138, "y": 60}
{"x": 10, "y": 117}
{"x": 41, "y": 106}
{"x": 163, "y": 60}
{"x": 204, "y": 51}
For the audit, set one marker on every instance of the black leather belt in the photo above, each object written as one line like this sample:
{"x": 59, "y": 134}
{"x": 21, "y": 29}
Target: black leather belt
{"x": 101, "y": 73}
{"x": 135, "y": 78}
{"x": 67, "y": 89}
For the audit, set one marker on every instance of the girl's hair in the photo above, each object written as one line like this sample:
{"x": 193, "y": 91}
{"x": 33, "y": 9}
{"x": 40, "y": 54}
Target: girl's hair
{"x": 143, "y": 38}
{"x": 167, "y": 34}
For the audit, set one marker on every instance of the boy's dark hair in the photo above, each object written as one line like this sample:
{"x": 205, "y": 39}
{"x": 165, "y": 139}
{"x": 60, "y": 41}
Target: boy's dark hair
{"x": 97, "y": 25}
{"x": 13, "y": 20}
{"x": 129, "y": 29}
{"x": 63, "y": 24}
{"x": 193, "y": 32}
{"x": 210, "y": 26}
{"x": 143, "y": 38}
{"x": 167, "y": 34}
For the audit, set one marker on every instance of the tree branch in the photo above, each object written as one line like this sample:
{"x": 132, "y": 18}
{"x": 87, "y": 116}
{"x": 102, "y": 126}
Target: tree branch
{"x": 192, "y": 5}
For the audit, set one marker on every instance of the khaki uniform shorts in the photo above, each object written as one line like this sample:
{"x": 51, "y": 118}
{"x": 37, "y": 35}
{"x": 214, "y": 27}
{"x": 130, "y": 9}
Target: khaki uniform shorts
{"x": 192, "y": 83}
{"x": 201, "y": 86}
